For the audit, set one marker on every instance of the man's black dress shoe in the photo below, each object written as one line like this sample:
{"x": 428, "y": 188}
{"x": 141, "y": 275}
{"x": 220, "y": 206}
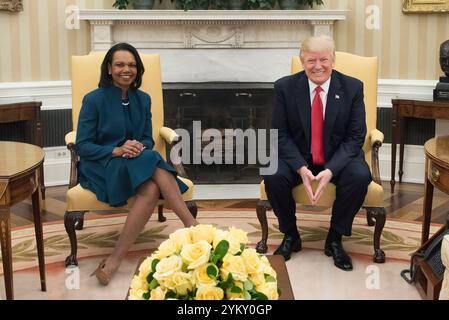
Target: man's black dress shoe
{"x": 341, "y": 258}
{"x": 288, "y": 245}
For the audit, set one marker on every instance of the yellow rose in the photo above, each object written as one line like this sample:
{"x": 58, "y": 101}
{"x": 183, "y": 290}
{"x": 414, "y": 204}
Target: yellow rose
{"x": 258, "y": 279}
{"x": 180, "y": 238}
{"x": 201, "y": 277}
{"x": 196, "y": 254}
{"x": 145, "y": 267}
{"x": 209, "y": 293}
{"x": 204, "y": 232}
{"x": 167, "y": 267}
{"x": 136, "y": 294}
{"x": 219, "y": 235}
{"x": 270, "y": 290}
{"x": 234, "y": 242}
{"x": 234, "y": 265}
{"x": 137, "y": 283}
{"x": 238, "y": 234}
{"x": 166, "y": 249}
{"x": 252, "y": 261}
{"x": 233, "y": 295}
{"x": 269, "y": 270}
{"x": 158, "y": 293}
{"x": 182, "y": 283}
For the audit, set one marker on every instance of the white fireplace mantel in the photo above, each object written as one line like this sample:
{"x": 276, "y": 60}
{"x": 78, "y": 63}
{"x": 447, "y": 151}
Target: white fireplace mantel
{"x": 219, "y": 45}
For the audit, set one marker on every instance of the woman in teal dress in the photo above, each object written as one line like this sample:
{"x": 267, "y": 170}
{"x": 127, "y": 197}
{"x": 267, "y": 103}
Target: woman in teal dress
{"x": 114, "y": 142}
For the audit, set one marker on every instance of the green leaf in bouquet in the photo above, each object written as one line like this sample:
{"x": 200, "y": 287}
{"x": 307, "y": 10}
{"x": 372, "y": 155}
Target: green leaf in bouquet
{"x": 260, "y": 296}
{"x": 170, "y": 295}
{"x": 212, "y": 271}
{"x": 150, "y": 277}
{"x": 146, "y": 295}
{"x": 279, "y": 292}
{"x": 221, "y": 249}
{"x": 153, "y": 284}
{"x": 214, "y": 258}
{"x": 228, "y": 282}
{"x": 269, "y": 278}
{"x": 247, "y": 295}
{"x": 242, "y": 246}
{"x": 248, "y": 285}
{"x": 236, "y": 289}
{"x": 154, "y": 264}
{"x": 185, "y": 268}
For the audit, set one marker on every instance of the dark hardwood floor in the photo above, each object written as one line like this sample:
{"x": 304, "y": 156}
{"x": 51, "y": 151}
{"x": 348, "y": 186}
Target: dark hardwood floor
{"x": 406, "y": 204}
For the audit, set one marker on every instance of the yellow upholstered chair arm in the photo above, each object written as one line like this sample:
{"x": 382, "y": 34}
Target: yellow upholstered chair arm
{"x": 70, "y": 139}
{"x": 172, "y": 138}
{"x": 169, "y": 135}
{"x": 376, "y": 137}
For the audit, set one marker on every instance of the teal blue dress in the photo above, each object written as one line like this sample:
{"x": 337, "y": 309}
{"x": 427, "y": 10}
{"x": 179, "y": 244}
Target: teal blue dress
{"x": 105, "y": 123}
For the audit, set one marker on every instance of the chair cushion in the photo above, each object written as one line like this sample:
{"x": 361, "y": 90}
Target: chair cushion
{"x": 79, "y": 199}
{"x": 374, "y": 197}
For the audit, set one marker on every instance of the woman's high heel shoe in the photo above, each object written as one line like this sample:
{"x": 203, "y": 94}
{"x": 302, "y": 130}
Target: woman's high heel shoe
{"x": 102, "y": 276}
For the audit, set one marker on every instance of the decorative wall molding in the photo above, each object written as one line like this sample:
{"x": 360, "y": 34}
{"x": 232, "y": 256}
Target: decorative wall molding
{"x": 156, "y": 29}
{"x": 56, "y": 95}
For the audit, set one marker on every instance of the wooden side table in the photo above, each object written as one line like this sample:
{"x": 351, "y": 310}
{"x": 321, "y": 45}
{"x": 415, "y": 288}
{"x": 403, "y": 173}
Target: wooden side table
{"x": 437, "y": 175}
{"x": 19, "y": 179}
{"x": 406, "y": 108}
{"x": 30, "y": 112}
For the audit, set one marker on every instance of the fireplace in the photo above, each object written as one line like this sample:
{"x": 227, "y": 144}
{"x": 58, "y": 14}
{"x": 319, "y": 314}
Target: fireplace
{"x": 225, "y": 107}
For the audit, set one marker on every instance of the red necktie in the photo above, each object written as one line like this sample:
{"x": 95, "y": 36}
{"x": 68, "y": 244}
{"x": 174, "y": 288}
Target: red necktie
{"x": 317, "y": 129}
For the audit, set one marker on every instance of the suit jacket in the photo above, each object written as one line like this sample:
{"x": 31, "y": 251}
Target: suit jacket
{"x": 344, "y": 123}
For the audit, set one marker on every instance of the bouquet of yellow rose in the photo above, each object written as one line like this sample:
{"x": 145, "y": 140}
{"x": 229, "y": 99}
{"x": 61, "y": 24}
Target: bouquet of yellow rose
{"x": 205, "y": 263}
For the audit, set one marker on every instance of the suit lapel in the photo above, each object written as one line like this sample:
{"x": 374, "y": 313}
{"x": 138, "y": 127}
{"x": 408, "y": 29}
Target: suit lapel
{"x": 332, "y": 107}
{"x": 302, "y": 94}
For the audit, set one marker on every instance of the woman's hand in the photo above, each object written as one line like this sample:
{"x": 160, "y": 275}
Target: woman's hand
{"x": 130, "y": 149}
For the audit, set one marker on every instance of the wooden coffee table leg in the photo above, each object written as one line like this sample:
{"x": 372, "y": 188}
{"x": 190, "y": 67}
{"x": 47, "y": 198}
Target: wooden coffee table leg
{"x": 5, "y": 239}
{"x": 39, "y": 236}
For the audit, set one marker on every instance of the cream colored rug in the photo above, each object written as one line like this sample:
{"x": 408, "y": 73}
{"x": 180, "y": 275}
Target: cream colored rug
{"x": 312, "y": 274}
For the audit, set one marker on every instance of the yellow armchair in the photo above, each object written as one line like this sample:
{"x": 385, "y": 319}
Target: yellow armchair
{"x": 365, "y": 69}
{"x": 85, "y": 78}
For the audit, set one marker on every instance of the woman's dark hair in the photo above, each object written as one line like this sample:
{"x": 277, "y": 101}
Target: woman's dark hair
{"x": 106, "y": 78}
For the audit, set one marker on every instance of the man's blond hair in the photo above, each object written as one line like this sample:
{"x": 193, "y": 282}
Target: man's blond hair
{"x": 318, "y": 44}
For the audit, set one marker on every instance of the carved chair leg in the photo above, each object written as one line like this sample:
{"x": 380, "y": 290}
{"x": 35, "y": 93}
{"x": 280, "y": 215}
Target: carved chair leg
{"x": 370, "y": 218}
{"x": 379, "y": 215}
{"x": 261, "y": 209}
{"x": 191, "y": 205}
{"x": 73, "y": 221}
{"x": 160, "y": 213}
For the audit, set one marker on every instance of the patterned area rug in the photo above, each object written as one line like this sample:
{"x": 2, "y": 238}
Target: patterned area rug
{"x": 399, "y": 238}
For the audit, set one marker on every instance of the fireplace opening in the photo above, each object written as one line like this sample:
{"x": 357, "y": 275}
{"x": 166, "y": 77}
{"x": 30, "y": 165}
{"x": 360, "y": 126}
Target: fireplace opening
{"x": 225, "y": 107}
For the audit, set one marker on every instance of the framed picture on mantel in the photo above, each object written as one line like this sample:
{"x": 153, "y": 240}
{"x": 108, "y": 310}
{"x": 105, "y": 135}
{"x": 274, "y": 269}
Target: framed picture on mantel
{"x": 425, "y": 6}
{"x": 11, "y": 5}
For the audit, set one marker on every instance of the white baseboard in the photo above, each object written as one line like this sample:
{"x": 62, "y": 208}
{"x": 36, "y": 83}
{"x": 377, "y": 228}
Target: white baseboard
{"x": 56, "y": 95}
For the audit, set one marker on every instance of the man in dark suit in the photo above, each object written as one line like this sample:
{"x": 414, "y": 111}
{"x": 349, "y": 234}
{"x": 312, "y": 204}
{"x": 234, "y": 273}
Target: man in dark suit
{"x": 320, "y": 118}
